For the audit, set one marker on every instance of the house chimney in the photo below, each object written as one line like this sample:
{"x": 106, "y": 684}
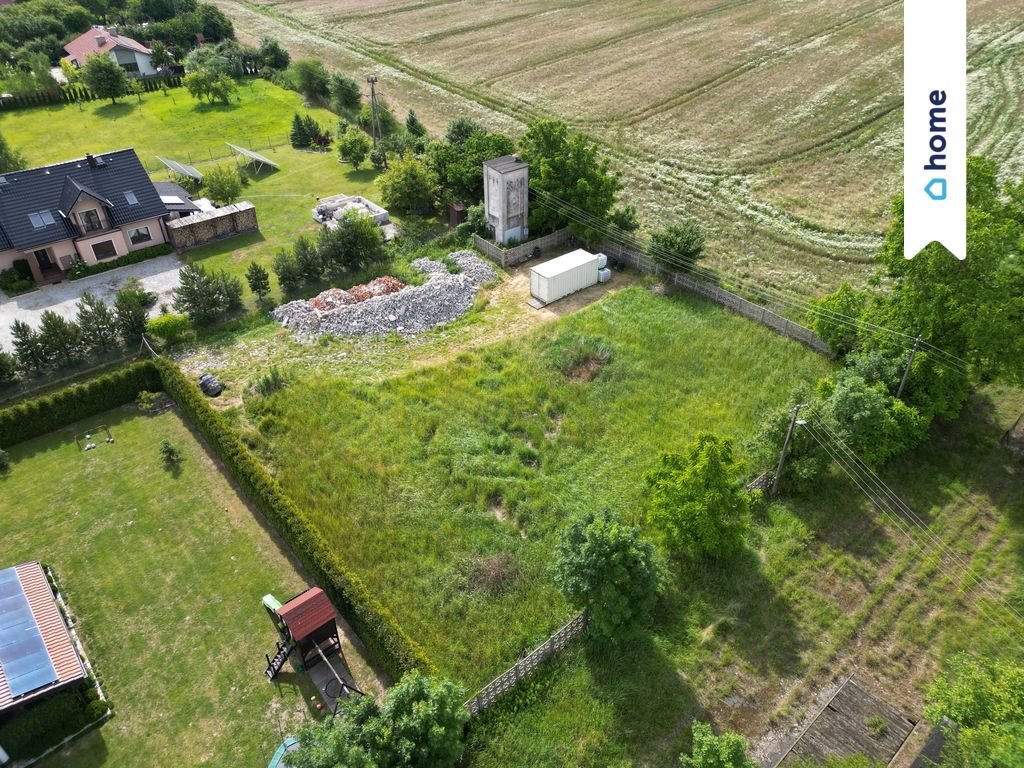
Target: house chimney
{"x": 100, "y": 40}
{"x": 91, "y": 160}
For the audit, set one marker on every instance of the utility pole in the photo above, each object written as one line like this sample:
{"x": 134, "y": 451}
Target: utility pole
{"x": 906, "y": 372}
{"x": 374, "y": 121}
{"x": 785, "y": 447}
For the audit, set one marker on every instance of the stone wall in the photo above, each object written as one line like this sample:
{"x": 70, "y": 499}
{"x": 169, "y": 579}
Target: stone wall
{"x": 206, "y": 227}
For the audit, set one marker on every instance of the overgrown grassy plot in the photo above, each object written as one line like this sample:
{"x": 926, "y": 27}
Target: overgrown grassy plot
{"x": 164, "y": 569}
{"x": 421, "y": 482}
{"x": 828, "y": 586}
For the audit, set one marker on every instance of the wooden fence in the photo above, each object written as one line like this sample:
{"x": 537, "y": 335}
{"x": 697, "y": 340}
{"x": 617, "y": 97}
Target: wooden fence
{"x": 510, "y": 678}
{"x": 517, "y": 254}
{"x": 719, "y": 295}
{"x": 72, "y": 94}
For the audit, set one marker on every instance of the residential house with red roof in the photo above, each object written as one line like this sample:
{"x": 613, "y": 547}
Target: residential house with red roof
{"x": 131, "y": 55}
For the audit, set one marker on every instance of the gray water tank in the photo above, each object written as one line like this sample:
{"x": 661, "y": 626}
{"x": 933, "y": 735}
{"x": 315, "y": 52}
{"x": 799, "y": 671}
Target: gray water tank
{"x": 604, "y": 274}
{"x": 602, "y": 261}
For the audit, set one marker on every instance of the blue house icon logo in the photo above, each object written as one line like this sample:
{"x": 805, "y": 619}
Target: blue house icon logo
{"x": 936, "y": 189}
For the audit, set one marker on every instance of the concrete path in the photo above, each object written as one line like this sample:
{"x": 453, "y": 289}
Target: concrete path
{"x": 159, "y": 275}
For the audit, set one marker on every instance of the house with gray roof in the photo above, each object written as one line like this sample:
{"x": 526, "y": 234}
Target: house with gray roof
{"x": 93, "y": 209}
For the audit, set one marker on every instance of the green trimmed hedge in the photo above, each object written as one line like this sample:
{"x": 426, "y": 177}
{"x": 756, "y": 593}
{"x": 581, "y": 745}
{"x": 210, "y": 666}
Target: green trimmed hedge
{"x": 374, "y": 623}
{"x": 28, "y": 732}
{"x": 80, "y": 269}
{"x": 33, "y": 418}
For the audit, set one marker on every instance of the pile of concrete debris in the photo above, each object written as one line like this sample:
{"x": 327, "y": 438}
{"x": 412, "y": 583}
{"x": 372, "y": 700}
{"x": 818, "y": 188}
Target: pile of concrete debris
{"x": 384, "y": 305}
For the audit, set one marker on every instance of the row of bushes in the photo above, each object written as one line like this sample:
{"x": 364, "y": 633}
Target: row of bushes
{"x": 80, "y": 269}
{"x": 28, "y": 732}
{"x": 42, "y": 415}
{"x": 374, "y": 623}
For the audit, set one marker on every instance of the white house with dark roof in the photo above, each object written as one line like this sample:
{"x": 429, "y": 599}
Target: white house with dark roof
{"x": 130, "y": 55}
{"x": 93, "y": 208}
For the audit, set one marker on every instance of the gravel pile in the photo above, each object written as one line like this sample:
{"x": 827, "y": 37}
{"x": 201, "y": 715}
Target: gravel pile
{"x": 443, "y": 298}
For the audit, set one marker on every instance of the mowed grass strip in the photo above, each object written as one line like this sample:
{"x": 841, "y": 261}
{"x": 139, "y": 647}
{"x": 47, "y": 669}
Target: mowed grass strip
{"x": 164, "y": 571}
{"x": 445, "y": 488}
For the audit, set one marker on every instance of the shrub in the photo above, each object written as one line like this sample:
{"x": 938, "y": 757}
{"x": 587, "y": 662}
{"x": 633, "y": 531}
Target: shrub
{"x": 146, "y": 401}
{"x": 269, "y": 382}
{"x": 678, "y": 247}
{"x": 353, "y": 146}
{"x": 310, "y": 78}
{"x": 80, "y": 269}
{"x": 168, "y": 327}
{"x": 287, "y": 269}
{"x": 709, "y": 751}
{"x": 8, "y": 367}
{"x": 29, "y": 732}
{"x": 224, "y": 183}
{"x": 353, "y": 244}
{"x": 169, "y": 453}
{"x": 836, "y": 317}
{"x": 18, "y": 279}
{"x": 5, "y": 461}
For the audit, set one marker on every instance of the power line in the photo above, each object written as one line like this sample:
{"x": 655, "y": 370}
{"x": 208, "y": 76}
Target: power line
{"x": 870, "y": 485}
{"x": 801, "y": 305}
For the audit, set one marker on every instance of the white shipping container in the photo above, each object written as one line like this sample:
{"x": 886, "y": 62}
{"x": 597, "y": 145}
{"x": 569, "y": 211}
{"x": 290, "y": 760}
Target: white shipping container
{"x": 561, "y": 276}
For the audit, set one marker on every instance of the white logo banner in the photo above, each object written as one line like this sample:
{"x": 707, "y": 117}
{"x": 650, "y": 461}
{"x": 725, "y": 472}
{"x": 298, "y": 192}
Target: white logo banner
{"x": 935, "y": 125}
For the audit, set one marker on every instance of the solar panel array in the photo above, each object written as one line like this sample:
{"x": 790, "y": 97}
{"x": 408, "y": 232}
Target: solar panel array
{"x": 254, "y": 156}
{"x": 23, "y": 656}
{"x": 182, "y": 169}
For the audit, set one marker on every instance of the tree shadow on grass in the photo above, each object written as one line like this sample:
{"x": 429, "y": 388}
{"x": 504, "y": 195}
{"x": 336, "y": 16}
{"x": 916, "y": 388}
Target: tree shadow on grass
{"x": 735, "y": 605}
{"x": 116, "y": 111}
{"x": 205, "y": 106}
{"x": 652, "y": 701}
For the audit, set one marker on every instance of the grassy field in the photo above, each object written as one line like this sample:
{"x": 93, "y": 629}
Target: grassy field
{"x": 778, "y": 126}
{"x": 164, "y": 572}
{"x": 444, "y": 485}
{"x": 428, "y": 479}
{"x": 182, "y": 128}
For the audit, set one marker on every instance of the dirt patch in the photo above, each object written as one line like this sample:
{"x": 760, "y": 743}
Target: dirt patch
{"x": 494, "y": 575}
{"x": 586, "y": 369}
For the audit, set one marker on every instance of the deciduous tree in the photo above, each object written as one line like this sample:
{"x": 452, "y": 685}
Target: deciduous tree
{"x": 224, "y": 183}
{"x": 604, "y": 566}
{"x": 345, "y": 93}
{"x": 353, "y": 146}
{"x": 728, "y": 750}
{"x": 408, "y": 186}
{"x": 697, "y": 501}
{"x": 569, "y": 168}
{"x": 104, "y": 77}
{"x": 678, "y": 246}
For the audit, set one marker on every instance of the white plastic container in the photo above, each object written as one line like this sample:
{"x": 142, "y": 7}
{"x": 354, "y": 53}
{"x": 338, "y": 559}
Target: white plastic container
{"x": 561, "y": 276}
{"x": 604, "y": 275}
{"x": 602, "y": 261}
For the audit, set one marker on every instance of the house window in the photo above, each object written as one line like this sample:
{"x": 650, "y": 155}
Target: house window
{"x": 90, "y": 220}
{"x": 41, "y": 219}
{"x": 140, "y": 235}
{"x": 131, "y": 198}
{"x": 104, "y": 250}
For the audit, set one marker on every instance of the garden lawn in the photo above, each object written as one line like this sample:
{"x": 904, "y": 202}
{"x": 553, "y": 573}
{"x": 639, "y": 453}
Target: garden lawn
{"x": 164, "y": 572}
{"x": 179, "y": 127}
{"x": 444, "y": 488}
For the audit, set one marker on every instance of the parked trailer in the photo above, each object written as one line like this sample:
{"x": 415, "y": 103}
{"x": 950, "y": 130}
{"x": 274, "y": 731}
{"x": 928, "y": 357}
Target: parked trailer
{"x": 566, "y": 274}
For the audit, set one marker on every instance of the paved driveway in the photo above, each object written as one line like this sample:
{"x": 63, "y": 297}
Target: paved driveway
{"x": 159, "y": 275}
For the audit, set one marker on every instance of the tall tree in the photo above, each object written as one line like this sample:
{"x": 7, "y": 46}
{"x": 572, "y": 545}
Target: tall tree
{"x": 409, "y": 186}
{"x": 353, "y": 146}
{"x": 569, "y": 168}
{"x": 603, "y": 566}
{"x": 345, "y": 93}
{"x": 273, "y": 55}
{"x": 697, "y": 500}
{"x": 28, "y": 347}
{"x": 10, "y": 158}
{"x": 104, "y": 77}
{"x": 311, "y": 78}
{"x": 61, "y": 338}
{"x": 97, "y": 321}
{"x": 224, "y": 183}
{"x": 258, "y": 279}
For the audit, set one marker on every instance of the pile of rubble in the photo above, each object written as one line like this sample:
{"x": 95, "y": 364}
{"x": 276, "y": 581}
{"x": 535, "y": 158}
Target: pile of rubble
{"x": 333, "y": 298}
{"x": 384, "y": 305}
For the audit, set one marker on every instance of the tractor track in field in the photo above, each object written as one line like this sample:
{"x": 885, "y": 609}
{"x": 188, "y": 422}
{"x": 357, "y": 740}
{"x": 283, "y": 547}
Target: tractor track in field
{"x": 645, "y": 113}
